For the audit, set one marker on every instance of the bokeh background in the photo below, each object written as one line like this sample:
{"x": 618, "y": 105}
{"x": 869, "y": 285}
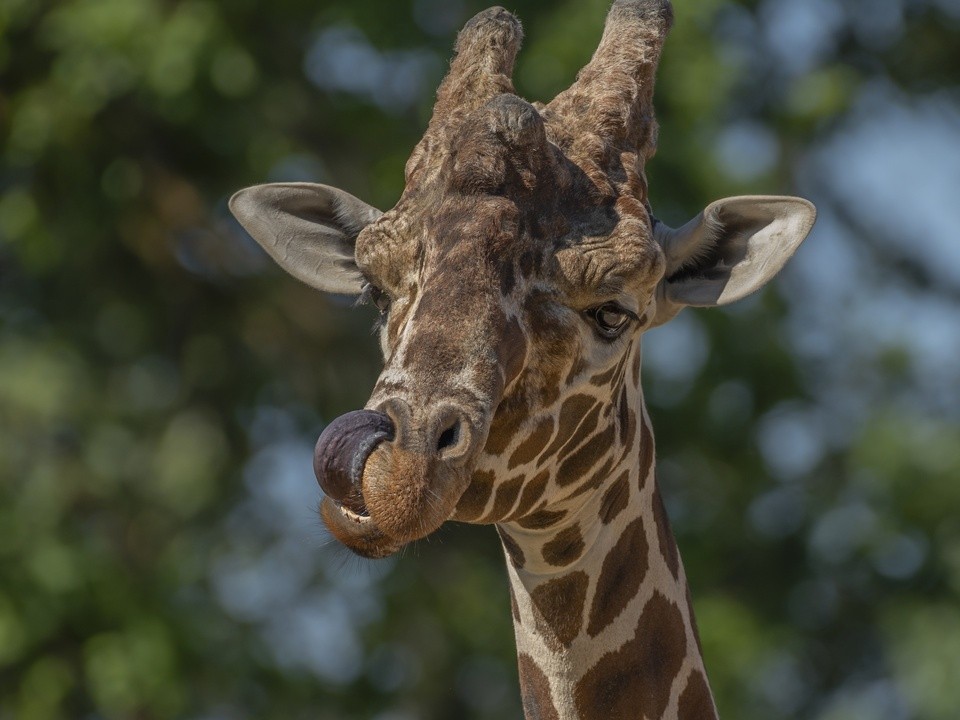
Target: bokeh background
{"x": 161, "y": 384}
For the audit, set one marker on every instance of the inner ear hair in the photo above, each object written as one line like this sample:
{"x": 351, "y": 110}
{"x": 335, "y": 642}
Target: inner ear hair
{"x": 347, "y": 218}
{"x": 704, "y": 253}
{"x": 698, "y": 252}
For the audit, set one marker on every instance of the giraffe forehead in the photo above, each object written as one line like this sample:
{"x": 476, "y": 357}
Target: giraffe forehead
{"x": 581, "y": 252}
{"x": 428, "y": 239}
{"x": 493, "y": 185}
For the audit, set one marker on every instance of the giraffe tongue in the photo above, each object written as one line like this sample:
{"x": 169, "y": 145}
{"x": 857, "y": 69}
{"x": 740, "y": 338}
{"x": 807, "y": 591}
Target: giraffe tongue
{"x": 342, "y": 451}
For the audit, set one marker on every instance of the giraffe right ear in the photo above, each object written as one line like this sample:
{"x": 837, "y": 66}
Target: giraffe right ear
{"x": 731, "y": 249}
{"x": 309, "y": 229}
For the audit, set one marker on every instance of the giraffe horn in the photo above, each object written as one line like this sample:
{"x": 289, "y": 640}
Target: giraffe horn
{"x": 504, "y": 142}
{"x": 485, "y": 52}
{"x": 612, "y": 97}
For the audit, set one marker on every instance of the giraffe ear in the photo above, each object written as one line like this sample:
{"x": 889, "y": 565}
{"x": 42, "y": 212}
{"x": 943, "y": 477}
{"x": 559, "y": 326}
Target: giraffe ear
{"x": 309, "y": 229}
{"x": 731, "y": 249}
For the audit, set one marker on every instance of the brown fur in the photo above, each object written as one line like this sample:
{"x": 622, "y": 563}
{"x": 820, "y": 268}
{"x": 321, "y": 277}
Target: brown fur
{"x": 558, "y": 607}
{"x": 565, "y": 548}
{"x": 696, "y": 702}
{"x": 635, "y": 680}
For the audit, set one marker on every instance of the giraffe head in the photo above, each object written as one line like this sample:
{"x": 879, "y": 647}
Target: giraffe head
{"x": 514, "y": 278}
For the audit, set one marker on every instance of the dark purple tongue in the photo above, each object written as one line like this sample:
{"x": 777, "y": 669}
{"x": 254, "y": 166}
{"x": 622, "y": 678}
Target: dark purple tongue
{"x": 343, "y": 449}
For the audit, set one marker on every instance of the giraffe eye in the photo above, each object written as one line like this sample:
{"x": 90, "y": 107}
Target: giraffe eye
{"x": 375, "y": 296}
{"x": 610, "y": 319}
{"x": 381, "y": 300}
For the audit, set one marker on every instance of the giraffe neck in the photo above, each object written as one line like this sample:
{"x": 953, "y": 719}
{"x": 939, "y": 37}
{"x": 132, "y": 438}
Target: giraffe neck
{"x": 601, "y": 610}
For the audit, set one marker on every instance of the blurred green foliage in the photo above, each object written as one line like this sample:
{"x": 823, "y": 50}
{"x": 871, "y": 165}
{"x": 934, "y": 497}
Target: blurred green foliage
{"x": 160, "y": 384}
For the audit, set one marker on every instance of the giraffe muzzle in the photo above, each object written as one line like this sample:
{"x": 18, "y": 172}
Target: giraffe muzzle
{"x": 342, "y": 452}
{"x": 391, "y": 477}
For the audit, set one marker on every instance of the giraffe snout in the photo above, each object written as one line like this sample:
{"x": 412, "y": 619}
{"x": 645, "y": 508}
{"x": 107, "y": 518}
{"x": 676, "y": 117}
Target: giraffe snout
{"x": 393, "y": 474}
{"x": 441, "y": 432}
{"x": 411, "y": 483}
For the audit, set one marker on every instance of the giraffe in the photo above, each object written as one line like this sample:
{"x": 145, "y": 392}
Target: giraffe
{"x": 514, "y": 279}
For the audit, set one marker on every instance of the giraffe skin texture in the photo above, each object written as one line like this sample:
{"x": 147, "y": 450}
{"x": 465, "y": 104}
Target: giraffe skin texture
{"x": 515, "y": 277}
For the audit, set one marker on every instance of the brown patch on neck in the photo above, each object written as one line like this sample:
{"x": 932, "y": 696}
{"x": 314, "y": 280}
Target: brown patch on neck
{"x": 578, "y": 417}
{"x": 620, "y": 576}
{"x": 595, "y": 481}
{"x": 514, "y": 551}
{"x": 615, "y": 499}
{"x": 696, "y": 701}
{"x": 668, "y": 545}
{"x": 533, "y": 445}
{"x": 565, "y": 548}
{"x": 535, "y": 691}
{"x": 532, "y": 492}
{"x": 474, "y": 499}
{"x": 693, "y": 621}
{"x": 635, "y": 680}
{"x": 645, "y": 461}
{"x": 579, "y": 463}
{"x": 506, "y": 497}
{"x": 626, "y": 417}
{"x": 542, "y": 519}
{"x": 558, "y": 607}
{"x": 637, "y": 356}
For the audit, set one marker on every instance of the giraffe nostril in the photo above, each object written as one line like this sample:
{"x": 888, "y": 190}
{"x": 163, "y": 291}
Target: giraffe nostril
{"x": 449, "y": 437}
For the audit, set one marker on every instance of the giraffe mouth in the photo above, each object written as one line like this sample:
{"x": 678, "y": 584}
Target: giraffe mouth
{"x": 359, "y": 533}
{"x": 381, "y": 493}
{"x": 359, "y": 516}
{"x": 339, "y": 459}
{"x": 341, "y": 454}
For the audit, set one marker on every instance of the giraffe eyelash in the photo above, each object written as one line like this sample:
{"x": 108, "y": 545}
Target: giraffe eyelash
{"x": 370, "y": 294}
{"x": 366, "y": 294}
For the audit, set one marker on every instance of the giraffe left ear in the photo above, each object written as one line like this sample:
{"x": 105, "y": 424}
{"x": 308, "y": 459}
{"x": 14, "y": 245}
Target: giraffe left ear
{"x": 731, "y": 249}
{"x": 309, "y": 229}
